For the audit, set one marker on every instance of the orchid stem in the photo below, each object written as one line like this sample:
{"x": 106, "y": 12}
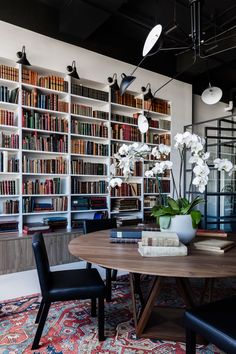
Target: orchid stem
{"x": 174, "y": 185}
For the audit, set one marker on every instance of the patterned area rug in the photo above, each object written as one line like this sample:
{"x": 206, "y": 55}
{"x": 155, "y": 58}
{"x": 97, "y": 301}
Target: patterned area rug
{"x": 70, "y": 329}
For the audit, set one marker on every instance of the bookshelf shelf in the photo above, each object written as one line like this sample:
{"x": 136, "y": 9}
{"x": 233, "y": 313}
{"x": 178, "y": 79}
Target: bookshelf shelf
{"x": 7, "y": 215}
{"x": 85, "y": 107}
{"x": 62, "y": 94}
{"x": 87, "y": 210}
{"x": 87, "y": 118}
{"x": 8, "y": 127}
{"x": 88, "y": 100}
{"x": 45, "y": 152}
{"x": 43, "y": 131}
{"x": 45, "y": 195}
{"x": 88, "y": 137}
{"x": 124, "y": 123}
{"x": 9, "y": 105}
{"x": 9, "y": 195}
{"x": 45, "y": 212}
{"x": 37, "y": 109}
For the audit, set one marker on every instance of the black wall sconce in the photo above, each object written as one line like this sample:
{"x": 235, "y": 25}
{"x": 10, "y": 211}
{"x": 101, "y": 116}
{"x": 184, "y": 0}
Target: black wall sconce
{"x": 113, "y": 81}
{"x": 22, "y": 55}
{"x": 72, "y": 70}
{"x": 148, "y": 95}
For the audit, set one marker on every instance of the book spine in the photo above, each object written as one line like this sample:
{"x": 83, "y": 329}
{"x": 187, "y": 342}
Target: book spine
{"x": 126, "y": 234}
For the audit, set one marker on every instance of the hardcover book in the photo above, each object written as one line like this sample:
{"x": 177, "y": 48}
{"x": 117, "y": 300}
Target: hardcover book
{"x": 159, "y": 251}
{"x": 212, "y": 245}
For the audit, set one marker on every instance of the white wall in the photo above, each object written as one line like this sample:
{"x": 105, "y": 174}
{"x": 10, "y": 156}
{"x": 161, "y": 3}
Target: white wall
{"x": 53, "y": 54}
{"x": 202, "y": 111}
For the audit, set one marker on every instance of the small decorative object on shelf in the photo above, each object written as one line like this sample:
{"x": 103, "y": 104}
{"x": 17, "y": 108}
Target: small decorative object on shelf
{"x": 169, "y": 210}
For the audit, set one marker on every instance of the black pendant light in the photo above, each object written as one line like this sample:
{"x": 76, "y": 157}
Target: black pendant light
{"x": 72, "y": 70}
{"x": 126, "y": 82}
{"x": 22, "y": 55}
{"x": 113, "y": 81}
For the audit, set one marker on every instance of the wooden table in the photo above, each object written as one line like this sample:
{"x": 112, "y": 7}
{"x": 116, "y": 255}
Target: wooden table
{"x": 152, "y": 322}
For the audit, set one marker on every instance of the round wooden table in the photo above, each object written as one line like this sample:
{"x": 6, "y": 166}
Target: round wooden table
{"x": 96, "y": 248}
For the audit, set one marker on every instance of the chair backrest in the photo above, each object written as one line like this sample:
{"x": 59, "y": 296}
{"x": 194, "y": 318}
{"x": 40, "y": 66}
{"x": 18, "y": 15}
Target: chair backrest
{"x": 42, "y": 263}
{"x": 96, "y": 225}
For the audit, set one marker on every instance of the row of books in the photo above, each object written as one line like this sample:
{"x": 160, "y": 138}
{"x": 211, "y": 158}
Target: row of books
{"x": 127, "y": 99}
{"x": 88, "y": 148}
{"x": 36, "y": 120}
{"x": 81, "y": 167}
{"x": 8, "y": 226}
{"x": 35, "y": 98}
{"x": 129, "y": 190}
{"x": 53, "y": 143}
{"x": 150, "y": 201}
{"x": 51, "y": 82}
{"x": 126, "y": 204}
{"x": 80, "y": 109}
{"x": 57, "y": 165}
{"x": 164, "y": 139}
{"x": 49, "y": 186}
{"x": 8, "y": 162}
{"x": 84, "y": 187}
{"x": 124, "y": 118}
{"x": 152, "y": 138}
{"x": 10, "y": 206}
{"x": 152, "y": 186}
{"x": 157, "y": 105}
{"x": 31, "y": 204}
{"x": 85, "y": 91}
{"x": 7, "y": 95}
{"x": 9, "y": 141}
{"x": 125, "y": 132}
{"x": 9, "y": 73}
{"x": 99, "y": 129}
{"x": 88, "y": 203}
{"x": 127, "y": 220}
{"x": 101, "y": 114}
{"x": 7, "y": 117}
{"x": 9, "y": 187}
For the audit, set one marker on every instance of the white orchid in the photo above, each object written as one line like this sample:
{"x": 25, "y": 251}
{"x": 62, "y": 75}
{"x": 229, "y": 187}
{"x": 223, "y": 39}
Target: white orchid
{"x": 129, "y": 154}
{"x": 149, "y": 173}
{"x": 115, "y": 182}
{"x": 224, "y": 165}
{"x": 164, "y": 149}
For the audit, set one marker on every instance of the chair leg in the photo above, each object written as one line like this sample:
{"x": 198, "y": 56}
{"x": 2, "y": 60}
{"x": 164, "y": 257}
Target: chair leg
{"x": 101, "y": 336}
{"x": 93, "y": 307}
{"x": 108, "y": 285}
{"x": 190, "y": 341}
{"x": 42, "y": 320}
{"x": 114, "y": 275}
{"x": 88, "y": 265}
{"x": 39, "y": 312}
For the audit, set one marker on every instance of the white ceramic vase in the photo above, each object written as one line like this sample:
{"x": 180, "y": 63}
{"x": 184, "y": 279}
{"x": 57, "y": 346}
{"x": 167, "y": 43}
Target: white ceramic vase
{"x": 182, "y": 225}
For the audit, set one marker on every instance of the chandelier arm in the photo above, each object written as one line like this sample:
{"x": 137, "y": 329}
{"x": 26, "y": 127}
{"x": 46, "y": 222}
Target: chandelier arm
{"x": 174, "y": 48}
{"x": 171, "y": 79}
{"x": 219, "y": 51}
{"x": 218, "y": 40}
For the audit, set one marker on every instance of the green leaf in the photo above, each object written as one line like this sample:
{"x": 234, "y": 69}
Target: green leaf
{"x": 173, "y": 204}
{"x": 196, "y": 218}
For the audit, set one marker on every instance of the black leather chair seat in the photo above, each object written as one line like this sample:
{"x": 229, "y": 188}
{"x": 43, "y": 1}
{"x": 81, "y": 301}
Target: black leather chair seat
{"x": 215, "y": 322}
{"x": 75, "y": 283}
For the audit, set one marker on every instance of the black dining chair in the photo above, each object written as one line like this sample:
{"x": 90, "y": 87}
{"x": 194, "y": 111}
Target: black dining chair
{"x": 215, "y": 322}
{"x": 97, "y": 225}
{"x": 65, "y": 285}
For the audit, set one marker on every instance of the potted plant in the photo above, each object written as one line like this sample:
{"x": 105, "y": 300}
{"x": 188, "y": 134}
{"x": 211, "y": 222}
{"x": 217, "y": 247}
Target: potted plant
{"x": 176, "y": 213}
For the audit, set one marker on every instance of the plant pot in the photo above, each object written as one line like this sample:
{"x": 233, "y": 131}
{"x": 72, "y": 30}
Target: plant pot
{"x": 182, "y": 225}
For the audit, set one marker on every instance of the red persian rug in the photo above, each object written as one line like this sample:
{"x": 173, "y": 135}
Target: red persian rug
{"x": 70, "y": 329}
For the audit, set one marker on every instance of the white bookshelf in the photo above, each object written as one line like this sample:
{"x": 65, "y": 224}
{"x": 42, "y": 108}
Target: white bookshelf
{"x": 26, "y": 156}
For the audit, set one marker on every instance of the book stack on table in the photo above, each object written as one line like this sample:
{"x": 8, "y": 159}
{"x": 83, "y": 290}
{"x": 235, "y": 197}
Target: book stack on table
{"x": 157, "y": 244}
{"x": 215, "y": 246}
{"x": 150, "y": 243}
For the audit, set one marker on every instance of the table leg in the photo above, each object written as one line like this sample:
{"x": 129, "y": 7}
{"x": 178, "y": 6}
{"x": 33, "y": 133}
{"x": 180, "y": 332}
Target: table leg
{"x": 160, "y": 322}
